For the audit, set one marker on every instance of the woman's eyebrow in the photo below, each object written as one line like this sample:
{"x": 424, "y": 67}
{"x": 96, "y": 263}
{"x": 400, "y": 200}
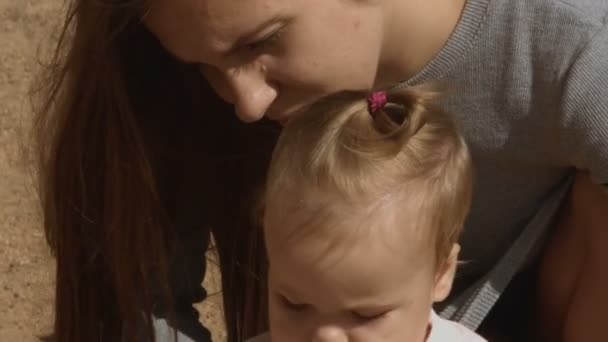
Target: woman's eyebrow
{"x": 244, "y": 39}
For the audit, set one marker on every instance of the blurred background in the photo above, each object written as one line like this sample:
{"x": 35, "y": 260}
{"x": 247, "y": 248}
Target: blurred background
{"x": 27, "y": 29}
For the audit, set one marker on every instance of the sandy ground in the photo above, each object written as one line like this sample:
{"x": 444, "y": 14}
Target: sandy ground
{"x": 26, "y": 267}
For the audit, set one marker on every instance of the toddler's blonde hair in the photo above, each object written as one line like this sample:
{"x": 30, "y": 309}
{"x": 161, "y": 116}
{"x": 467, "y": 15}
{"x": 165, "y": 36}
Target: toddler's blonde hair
{"x": 336, "y": 146}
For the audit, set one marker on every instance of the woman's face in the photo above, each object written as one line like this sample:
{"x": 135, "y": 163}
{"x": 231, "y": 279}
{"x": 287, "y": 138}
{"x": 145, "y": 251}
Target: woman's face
{"x": 271, "y": 57}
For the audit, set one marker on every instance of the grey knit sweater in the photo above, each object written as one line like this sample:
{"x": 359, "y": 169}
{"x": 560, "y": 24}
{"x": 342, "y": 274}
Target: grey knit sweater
{"x": 528, "y": 84}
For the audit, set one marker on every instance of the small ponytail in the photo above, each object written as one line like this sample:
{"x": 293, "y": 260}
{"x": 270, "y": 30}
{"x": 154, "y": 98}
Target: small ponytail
{"x": 404, "y": 111}
{"x": 379, "y": 125}
{"x": 360, "y": 149}
{"x": 353, "y": 123}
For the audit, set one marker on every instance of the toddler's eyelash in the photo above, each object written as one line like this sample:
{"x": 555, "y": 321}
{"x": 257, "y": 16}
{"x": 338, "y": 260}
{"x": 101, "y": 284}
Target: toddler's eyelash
{"x": 291, "y": 305}
{"x": 368, "y": 317}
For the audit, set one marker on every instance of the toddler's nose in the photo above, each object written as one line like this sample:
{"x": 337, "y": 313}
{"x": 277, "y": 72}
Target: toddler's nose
{"x": 330, "y": 334}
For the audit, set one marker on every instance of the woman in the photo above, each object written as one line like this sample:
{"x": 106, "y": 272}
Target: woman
{"x": 140, "y": 160}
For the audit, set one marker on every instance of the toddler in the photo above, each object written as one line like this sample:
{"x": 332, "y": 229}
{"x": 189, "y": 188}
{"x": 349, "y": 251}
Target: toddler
{"x": 363, "y": 208}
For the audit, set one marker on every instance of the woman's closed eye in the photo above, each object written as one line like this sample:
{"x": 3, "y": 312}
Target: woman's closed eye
{"x": 267, "y": 41}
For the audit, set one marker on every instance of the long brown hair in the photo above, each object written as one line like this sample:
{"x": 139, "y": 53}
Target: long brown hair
{"x": 122, "y": 131}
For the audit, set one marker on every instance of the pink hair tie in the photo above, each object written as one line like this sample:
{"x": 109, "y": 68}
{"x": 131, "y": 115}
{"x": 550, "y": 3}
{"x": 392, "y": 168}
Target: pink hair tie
{"x": 376, "y": 101}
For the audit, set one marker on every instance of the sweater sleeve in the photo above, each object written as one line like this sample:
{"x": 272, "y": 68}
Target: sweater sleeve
{"x": 584, "y": 118}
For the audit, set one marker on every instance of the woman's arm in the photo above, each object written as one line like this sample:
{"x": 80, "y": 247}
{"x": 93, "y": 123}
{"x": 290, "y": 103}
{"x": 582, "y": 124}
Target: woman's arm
{"x": 573, "y": 283}
{"x": 587, "y": 316}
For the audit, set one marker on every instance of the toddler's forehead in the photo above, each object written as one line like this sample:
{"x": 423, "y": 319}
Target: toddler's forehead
{"x": 344, "y": 257}
{"x": 340, "y": 224}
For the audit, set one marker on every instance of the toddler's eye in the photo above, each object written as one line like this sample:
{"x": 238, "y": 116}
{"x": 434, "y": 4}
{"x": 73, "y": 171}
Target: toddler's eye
{"x": 369, "y": 316}
{"x": 297, "y": 307}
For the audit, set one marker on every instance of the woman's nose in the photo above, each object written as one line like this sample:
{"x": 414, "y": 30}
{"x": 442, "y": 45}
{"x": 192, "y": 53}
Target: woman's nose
{"x": 247, "y": 88}
{"x": 330, "y": 334}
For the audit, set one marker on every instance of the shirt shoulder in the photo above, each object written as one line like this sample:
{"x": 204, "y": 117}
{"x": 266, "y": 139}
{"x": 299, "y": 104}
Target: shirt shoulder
{"x": 593, "y": 10}
{"x": 583, "y": 120}
{"x": 554, "y": 30}
{"x": 444, "y": 330}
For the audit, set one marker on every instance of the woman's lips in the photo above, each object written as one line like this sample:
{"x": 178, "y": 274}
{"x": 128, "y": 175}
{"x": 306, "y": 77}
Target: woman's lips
{"x": 280, "y": 117}
{"x": 283, "y": 115}
{"x": 282, "y": 120}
